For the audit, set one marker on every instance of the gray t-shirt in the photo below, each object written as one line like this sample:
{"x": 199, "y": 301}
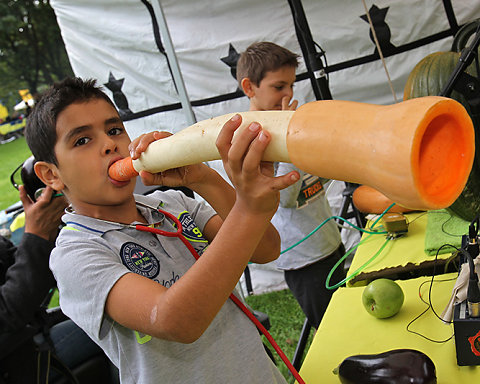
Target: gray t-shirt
{"x": 91, "y": 255}
{"x": 303, "y": 207}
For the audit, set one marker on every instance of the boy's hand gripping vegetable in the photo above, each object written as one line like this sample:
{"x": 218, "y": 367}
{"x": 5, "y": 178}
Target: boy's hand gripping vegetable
{"x": 399, "y": 366}
{"x": 418, "y": 152}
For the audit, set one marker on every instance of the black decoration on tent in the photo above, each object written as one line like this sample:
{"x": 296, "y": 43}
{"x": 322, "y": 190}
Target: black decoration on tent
{"x": 382, "y": 30}
{"x": 119, "y": 98}
{"x": 317, "y": 67}
{"x": 231, "y": 60}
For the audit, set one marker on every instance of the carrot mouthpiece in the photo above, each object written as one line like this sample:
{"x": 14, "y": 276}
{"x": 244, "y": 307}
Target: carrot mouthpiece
{"x": 122, "y": 170}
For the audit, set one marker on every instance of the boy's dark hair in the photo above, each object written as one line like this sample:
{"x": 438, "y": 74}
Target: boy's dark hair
{"x": 260, "y": 58}
{"x": 40, "y": 130}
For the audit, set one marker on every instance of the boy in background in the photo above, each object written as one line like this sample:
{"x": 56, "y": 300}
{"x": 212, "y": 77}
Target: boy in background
{"x": 266, "y": 74}
{"x": 158, "y": 314}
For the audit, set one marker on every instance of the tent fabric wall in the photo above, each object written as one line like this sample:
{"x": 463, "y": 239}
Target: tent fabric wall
{"x": 118, "y": 43}
{"x": 114, "y": 41}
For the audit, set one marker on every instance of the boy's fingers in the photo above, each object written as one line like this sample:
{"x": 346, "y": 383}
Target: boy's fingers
{"x": 148, "y": 178}
{"x": 157, "y": 135}
{"x": 284, "y": 181}
{"x": 256, "y": 149}
{"x": 240, "y": 147}
{"x": 286, "y": 106}
{"x": 224, "y": 138}
{"x": 141, "y": 143}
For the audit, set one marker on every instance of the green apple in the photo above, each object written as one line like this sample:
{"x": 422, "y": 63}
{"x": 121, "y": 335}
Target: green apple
{"x": 382, "y": 298}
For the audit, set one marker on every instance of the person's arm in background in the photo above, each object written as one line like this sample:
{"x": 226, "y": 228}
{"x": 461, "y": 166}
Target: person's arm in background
{"x": 29, "y": 279}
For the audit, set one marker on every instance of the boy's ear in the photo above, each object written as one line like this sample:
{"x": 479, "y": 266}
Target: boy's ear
{"x": 247, "y": 87}
{"x": 48, "y": 173}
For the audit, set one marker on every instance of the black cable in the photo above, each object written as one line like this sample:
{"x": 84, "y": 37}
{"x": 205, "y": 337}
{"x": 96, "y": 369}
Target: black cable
{"x": 416, "y": 218}
{"x": 445, "y": 231}
{"x": 450, "y": 217}
{"x": 430, "y": 305}
{"x": 433, "y": 277}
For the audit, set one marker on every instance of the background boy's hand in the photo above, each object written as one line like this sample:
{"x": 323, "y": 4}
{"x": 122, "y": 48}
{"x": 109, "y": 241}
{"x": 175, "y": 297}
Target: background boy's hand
{"x": 175, "y": 177}
{"x": 256, "y": 188}
{"x": 43, "y": 217}
{"x": 286, "y": 106}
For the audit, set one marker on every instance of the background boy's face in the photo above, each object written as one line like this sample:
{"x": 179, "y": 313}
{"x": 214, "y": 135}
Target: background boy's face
{"x": 90, "y": 137}
{"x": 272, "y": 89}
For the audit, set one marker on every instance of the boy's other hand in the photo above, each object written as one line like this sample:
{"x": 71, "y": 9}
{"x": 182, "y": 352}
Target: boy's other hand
{"x": 141, "y": 143}
{"x": 286, "y": 106}
{"x": 256, "y": 188}
{"x": 175, "y": 177}
{"x": 43, "y": 217}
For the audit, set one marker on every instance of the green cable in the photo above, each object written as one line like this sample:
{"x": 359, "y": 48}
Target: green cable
{"x": 346, "y": 221}
{"x": 355, "y": 273}
{"x": 370, "y": 233}
{"x": 350, "y": 277}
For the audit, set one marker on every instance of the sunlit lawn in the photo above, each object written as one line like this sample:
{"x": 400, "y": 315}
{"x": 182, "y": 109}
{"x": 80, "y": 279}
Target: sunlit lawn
{"x": 286, "y": 320}
{"x": 11, "y": 156}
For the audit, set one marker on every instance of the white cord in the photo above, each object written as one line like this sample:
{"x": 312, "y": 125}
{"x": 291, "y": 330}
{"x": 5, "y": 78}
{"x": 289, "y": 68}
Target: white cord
{"x": 379, "y": 51}
{"x": 332, "y": 182}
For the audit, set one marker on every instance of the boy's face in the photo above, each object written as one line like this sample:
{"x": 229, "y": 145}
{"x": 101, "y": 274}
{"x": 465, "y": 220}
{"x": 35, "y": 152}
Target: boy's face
{"x": 90, "y": 137}
{"x": 272, "y": 89}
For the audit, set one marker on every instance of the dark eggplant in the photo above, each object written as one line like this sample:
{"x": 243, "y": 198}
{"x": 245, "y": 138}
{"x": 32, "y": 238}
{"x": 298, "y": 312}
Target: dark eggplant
{"x": 397, "y": 366}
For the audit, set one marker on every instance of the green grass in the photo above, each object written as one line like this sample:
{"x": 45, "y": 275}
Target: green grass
{"x": 286, "y": 319}
{"x": 11, "y": 156}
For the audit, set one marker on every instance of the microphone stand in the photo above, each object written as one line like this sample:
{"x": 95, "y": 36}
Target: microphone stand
{"x": 464, "y": 83}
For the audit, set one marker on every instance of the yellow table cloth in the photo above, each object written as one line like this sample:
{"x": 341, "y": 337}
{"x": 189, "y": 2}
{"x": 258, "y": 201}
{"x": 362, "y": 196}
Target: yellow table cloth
{"x": 347, "y": 329}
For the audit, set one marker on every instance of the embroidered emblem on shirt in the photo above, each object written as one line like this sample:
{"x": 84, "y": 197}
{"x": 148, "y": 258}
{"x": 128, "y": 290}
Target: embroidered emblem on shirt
{"x": 139, "y": 260}
{"x": 190, "y": 229}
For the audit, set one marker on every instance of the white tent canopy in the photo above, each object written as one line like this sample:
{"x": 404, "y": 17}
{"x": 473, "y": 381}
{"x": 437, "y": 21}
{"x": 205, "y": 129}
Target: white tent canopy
{"x": 120, "y": 43}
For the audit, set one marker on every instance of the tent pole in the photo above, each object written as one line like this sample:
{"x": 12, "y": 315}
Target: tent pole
{"x": 316, "y": 71}
{"x": 172, "y": 57}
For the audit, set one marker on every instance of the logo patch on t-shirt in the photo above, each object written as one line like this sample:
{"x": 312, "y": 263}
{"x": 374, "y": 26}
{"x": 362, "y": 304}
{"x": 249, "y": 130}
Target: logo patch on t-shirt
{"x": 192, "y": 233}
{"x": 311, "y": 188}
{"x": 190, "y": 229}
{"x": 139, "y": 260}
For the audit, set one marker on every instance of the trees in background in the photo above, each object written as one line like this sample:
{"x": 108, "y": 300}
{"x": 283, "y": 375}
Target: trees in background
{"x": 32, "y": 52}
